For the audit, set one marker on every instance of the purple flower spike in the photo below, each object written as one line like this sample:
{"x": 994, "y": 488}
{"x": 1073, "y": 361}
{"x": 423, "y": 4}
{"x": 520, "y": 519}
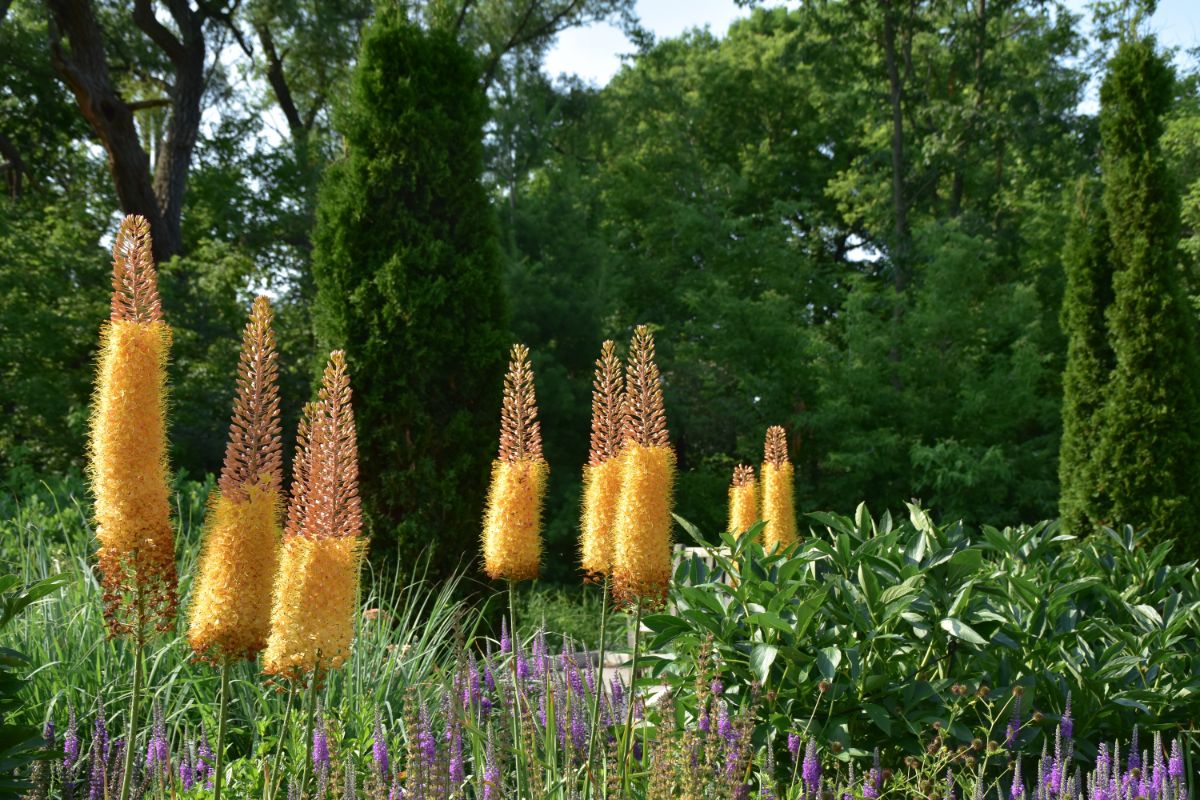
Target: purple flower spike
{"x": 811, "y": 768}
{"x": 100, "y": 734}
{"x": 505, "y": 640}
{"x": 71, "y": 742}
{"x": 379, "y": 751}
{"x": 717, "y": 687}
{"x": 724, "y": 724}
{"x": 1018, "y": 786}
{"x": 187, "y": 770}
{"x": 491, "y": 773}
{"x": 320, "y": 754}
{"x": 425, "y": 742}
{"x": 1175, "y": 763}
{"x": 1014, "y": 726}
{"x": 793, "y": 744}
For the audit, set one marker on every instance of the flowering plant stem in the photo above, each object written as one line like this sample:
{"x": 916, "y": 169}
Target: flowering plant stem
{"x": 308, "y": 725}
{"x": 599, "y": 689}
{"x": 274, "y": 779}
{"x": 139, "y": 642}
{"x": 516, "y": 684}
{"x": 627, "y": 742}
{"x": 222, "y": 718}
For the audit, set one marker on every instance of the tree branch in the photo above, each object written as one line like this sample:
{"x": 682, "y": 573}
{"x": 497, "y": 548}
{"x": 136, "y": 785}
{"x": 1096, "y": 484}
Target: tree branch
{"x": 143, "y": 17}
{"x": 278, "y": 81}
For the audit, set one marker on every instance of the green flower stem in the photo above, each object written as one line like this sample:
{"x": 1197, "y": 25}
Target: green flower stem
{"x": 599, "y": 698}
{"x": 223, "y": 719}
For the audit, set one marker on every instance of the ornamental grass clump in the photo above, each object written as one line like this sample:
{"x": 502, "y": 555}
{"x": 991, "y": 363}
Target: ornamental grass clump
{"x": 128, "y": 464}
{"x": 602, "y": 473}
{"x": 641, "y": 567}
{"x": 778, "y": 492}
{"x": 316, "y": 591}
{"x": 512, "y": 540}
{"x": 743, "y": 499}
{"x": 230, "y": 614}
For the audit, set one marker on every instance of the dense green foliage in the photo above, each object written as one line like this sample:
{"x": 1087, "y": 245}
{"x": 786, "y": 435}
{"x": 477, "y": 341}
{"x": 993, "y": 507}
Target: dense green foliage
{"x": 407, "y": 276}
{"x": 1088, "y": 294}
{"x": 895, "y": 613}
{"x": 869, "y": 255}
{"x": 1151, "y": 424}
{"x": 18, "y": 741}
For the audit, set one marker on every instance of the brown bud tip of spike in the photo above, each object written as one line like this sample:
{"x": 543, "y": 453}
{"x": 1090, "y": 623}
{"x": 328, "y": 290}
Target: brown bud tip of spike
{"x": 333, "y": 509}
{"x": 608, "y": 406}
{"x": 520, "y": 431}
{"x": 646, "y": 420}
{"x": 135, "y": 283}
{"x": 743, "y": 475}
{"x": 775, "y": 450}
{"x": 297, "y": 516}
{"x": 253, "y": 452}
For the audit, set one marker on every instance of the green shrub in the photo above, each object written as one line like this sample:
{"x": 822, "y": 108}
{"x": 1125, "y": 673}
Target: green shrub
{"x": 1151, "y": 418}
{"x": 877, "y": 623}
{"x": 408, "y": 282}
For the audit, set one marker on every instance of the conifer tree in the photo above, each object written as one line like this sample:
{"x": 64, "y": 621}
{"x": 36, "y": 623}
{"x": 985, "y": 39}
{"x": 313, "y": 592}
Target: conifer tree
{"x": 1151, "y": 438}
{"x": 1089, "y": 357}
{"x": 408, "y": 282}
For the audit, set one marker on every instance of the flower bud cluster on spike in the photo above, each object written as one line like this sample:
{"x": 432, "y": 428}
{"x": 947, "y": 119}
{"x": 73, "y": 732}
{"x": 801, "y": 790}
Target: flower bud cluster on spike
{"x": 743, "y": 499}
{"x": 512, "y": 540}
{"x": 641, "y": 568}
{"x": 316, "y": 590}
{"x": 778, "y": 491}
{"x": 128, "y": 445}
{"x": 231, "y": 607}
{"x": 602, "y": 473}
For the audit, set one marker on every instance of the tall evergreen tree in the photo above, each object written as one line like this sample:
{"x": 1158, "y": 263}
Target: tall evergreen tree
{"x": 408, "y": 281}
{"x": 1151, "y": 439}
{"x": 1088, "y": 294}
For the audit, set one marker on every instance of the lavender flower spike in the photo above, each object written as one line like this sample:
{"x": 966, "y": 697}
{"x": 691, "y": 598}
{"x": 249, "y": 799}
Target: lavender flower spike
{"x": 811, "y": 769}
{"x": 379, "y": 751}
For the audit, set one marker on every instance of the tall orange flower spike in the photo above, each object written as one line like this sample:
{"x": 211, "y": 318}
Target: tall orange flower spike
{"x": 743, "y": 499}
{"x": 231, "y": 607}
{"x": 641, "y": 568}
{"x": 512, "y": 540}
{"x": 316, "y": 590}
{"x": 602, "y": 473}
{"x": 778, "y": 491}
{"x": 128, "y": 446}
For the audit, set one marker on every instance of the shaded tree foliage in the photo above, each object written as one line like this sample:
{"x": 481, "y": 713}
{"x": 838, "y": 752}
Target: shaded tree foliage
{"x": 1151, "y": 424}
{"x": 1088, "y": 295}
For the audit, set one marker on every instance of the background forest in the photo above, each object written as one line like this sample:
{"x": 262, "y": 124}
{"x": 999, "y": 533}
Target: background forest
{"x": 845, "y": 218}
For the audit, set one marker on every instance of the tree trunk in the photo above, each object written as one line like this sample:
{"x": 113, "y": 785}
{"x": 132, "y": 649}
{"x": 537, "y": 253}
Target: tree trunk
{"x": 83, "y": 67}
{"x": 13, "y": 166}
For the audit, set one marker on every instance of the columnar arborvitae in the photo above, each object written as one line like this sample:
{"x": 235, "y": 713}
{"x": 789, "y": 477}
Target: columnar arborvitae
{"x": 408, "y": 282}
{"x": 1150, "y": 445}
{"x": 1089, "y": 365}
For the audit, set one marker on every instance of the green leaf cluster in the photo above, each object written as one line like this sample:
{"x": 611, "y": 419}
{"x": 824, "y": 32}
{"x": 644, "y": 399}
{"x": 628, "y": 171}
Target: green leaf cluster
{"x": 864, "y": 631}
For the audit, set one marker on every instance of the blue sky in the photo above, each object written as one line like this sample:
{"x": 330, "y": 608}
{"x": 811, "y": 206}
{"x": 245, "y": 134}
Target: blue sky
{"x": 594, "y": 53}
